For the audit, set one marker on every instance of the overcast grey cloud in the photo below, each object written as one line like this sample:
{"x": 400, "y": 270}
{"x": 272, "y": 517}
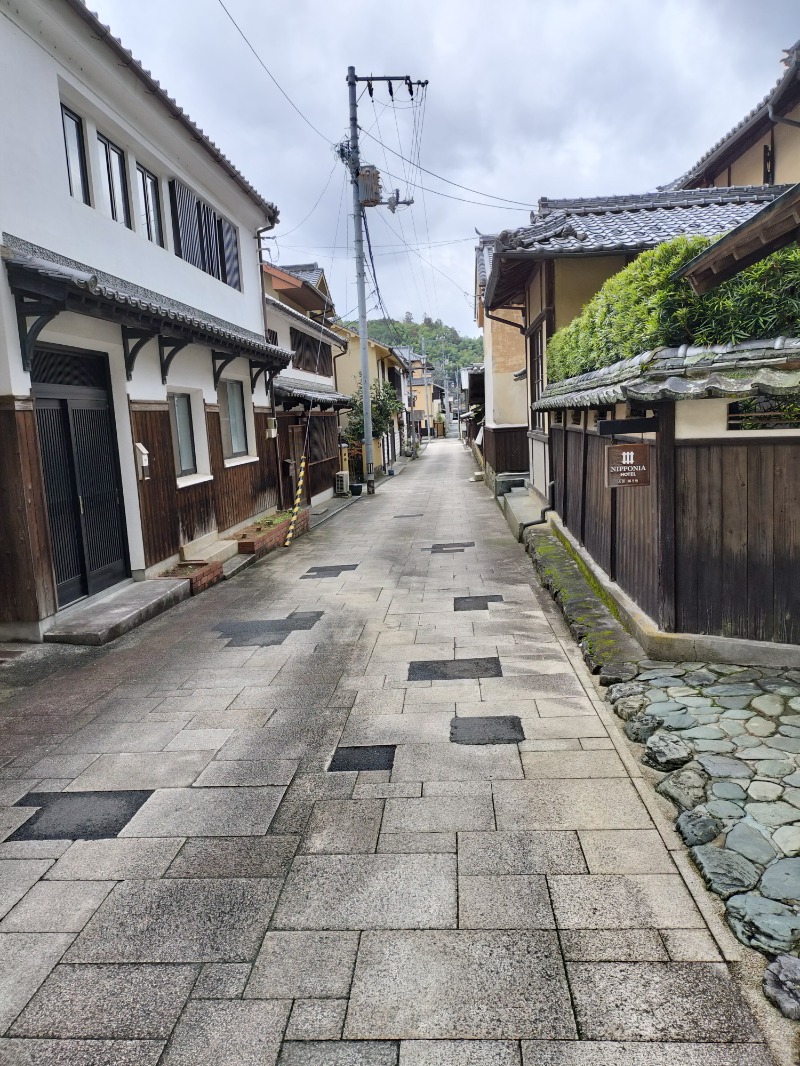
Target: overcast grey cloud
{"x": 540, "y": 98}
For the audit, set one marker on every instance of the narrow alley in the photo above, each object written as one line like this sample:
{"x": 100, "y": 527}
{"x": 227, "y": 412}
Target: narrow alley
{"x": 360, "y": 805}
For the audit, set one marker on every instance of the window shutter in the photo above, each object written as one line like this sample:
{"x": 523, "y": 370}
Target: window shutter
{"x": 186, "y": 223}
{"x": 230, "y": 250}
{"x": 209, "y": 237}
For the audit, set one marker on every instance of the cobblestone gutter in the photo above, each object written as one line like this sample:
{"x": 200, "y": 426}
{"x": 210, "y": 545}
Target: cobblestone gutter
{"x": 724, "y": 742}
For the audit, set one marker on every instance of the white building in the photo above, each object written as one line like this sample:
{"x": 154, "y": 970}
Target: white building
{"x": 134, "y": 368}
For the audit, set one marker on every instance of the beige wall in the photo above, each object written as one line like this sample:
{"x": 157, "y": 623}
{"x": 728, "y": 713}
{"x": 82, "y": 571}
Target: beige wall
{"x": 709, "y": 418}
{"x": 577, "y": 281}
{"x": 748, "y": 168}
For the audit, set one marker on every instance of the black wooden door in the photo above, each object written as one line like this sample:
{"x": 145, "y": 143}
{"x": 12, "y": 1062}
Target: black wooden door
{"x": 80, "y": 466}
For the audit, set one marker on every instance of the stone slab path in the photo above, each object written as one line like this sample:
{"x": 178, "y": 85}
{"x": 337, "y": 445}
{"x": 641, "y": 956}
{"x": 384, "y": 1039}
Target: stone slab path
{"x": 357, "y": 806}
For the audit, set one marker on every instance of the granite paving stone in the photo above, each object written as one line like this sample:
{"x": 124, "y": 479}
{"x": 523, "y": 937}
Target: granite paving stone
{"x": 303, "y": 965}
{"x": 343, "y": 827}
{"x": 454, "y": 762}
{"x": 459, "y": 984}
{"x": 519, "y": 853}
{"x": 623, "y": 901}
{"x": 659, "y": 1001}
{"x": 149, "y": 770}
{"x": 613, "y": 945}
{"x": 316, "y": 1019}
{"x": 629, "y": 851}
{"x": 247, "y": 773}
{"x": 221, "y": 812}
{"x": 610, "y": 803}
{"x": 117, "y": 1002}
{"x": 652, "y": 1053}
{"x": 339, "y": 1053}
{"x": 179, "y": 920}
{"x": 79, "y": 815}
{"x": 25, "y": 961}
{"x": 369, "y": 892}
{"x": 506, "y": 902}
{"x": 268, "y": 856}
{"x": 415, "y": 843}
{"x": 432, "y": 814}
{"x": 211, "y": 1032}
{"x": 119, "y": 860}
{"x": 56, "y": 907}
{"x": 17, "y": 876}
{"x": 585, "y": 765}
{"x": 36, "y": 1052}
{"x": 221, "y": 980}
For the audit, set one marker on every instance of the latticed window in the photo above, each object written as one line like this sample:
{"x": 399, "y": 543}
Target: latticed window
{"x": 203, "y": 237}
{"x": 311, "y": 354}
{"x": 536, "y": 374}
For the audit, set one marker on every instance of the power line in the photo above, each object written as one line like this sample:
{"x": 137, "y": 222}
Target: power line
{"x": 280, "y": 89}
{"x": 313, "y": 209}
{"x": 433, "y": 174}
{"x": 424, "y": 260}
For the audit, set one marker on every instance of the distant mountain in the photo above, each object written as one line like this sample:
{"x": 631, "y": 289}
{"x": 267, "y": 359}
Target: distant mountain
{"x": 445, "y": 347}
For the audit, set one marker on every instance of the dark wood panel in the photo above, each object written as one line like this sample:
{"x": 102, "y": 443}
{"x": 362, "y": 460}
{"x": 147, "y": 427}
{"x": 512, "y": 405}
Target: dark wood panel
{"x": 786, "y": 550}
{"x": 505, "y": 449}
{"x": 637, "y": 542}
{"x": 760, "y": 531}
{"x": 597, "y": 518}
{"x": 557, "y": 475}
{"x": 26, "y": 574}
{"x": 733, "y": 542}
{"x": 575, "y": 472}
{"x": 246, "y": 489}
{"x": 170, "y": 516}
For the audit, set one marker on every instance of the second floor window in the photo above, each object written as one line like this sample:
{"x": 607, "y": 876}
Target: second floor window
{"x": 311, "y": 354}
{"x": 113, "y": 185}
{"x": 76, "y": 155}
{"x": 203, "y": 237}
{"x": 150, "y": 206}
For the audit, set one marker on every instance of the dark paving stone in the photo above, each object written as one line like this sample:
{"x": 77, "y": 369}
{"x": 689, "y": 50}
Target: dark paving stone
{"x": 79, "y": 815}
{"x": 266, "y": 633}
{"x": 375, "y": 757}
{"x": 454, "y": 669}
{"x": 502, "y": 729}
{"x": 449, "y": 549}
{"x": 474, "y": 603}
{"x": 327, "y": 571}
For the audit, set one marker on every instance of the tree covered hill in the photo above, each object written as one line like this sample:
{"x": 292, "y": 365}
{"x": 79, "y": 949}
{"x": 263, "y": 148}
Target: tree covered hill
{"x": 441, "y": 342}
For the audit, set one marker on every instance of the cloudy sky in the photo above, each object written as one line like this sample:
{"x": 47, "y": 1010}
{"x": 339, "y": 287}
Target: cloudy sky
{"x": 526, "y": 99}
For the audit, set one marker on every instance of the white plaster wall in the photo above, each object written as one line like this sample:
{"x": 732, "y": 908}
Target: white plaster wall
{"x": 709, "y": 418}
{"x": 539, "y": 471}
{"x": 47, "y": 56}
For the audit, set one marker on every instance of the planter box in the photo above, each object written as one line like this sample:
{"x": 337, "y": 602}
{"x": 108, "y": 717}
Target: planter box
{"x": 252, "y": 542}
{"x": 199, "y": 577}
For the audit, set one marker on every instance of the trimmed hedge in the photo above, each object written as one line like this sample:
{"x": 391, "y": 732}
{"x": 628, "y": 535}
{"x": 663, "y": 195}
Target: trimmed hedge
{"x": 643, "y": 307}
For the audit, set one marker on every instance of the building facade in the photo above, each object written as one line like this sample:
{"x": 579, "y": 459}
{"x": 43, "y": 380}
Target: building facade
{"x": 134, "y": 366}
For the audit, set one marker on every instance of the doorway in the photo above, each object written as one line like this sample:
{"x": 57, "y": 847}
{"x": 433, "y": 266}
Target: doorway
{"x": 80, "y": 469}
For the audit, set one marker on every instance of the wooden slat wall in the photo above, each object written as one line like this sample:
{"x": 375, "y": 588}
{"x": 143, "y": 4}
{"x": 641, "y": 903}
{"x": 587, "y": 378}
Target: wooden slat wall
{"x": 27, "y": 589}
{"x": 557, "y": 446}
{"x": 597, "y": 518}
{"x": 506, "y": 449}
{"x": 242, "y": 491}
{"x": 636, "y": 542}
{"x": 575, "y": 477}
{"x": 738, "y": 538}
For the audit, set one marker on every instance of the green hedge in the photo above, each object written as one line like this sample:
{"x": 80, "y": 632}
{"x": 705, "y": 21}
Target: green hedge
{"x": 642, "y": 308}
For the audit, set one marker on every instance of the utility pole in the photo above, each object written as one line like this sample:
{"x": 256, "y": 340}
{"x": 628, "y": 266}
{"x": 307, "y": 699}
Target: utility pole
{"x": 349, "y": 154}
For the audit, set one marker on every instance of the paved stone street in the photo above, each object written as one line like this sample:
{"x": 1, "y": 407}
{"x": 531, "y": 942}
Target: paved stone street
{"x": 357, "y": 806}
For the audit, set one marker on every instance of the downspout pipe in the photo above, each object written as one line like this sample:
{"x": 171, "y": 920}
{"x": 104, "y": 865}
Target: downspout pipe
{"x": 781, "y": 118}
{"x": 542, "y": 519}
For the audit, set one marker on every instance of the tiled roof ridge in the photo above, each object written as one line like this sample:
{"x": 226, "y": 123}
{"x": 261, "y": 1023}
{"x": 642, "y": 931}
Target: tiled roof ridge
{"x": 790, "y": 61}
{"x": 154, "y": 86}
{"x": 666, "y": 198}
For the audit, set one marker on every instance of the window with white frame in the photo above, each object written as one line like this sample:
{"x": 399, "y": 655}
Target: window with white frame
{"x": 75, "y": 148}
{"x": 113, "y": 184}
{"x": 180, "y": 416}
{"x": 232, "y": 417}
{"x": 150, "y": 206}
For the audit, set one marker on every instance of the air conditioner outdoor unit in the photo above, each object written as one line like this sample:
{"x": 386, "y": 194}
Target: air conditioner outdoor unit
{"x": 343, "y": 483}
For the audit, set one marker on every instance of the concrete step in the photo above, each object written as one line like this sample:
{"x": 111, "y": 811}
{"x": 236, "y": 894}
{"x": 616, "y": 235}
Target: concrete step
{"x": 520, "y": 507}
{"x": 107, "y": 618}
{"x": 200, "y": 544}
{"x": 218, "y": 551}
{"x": 231, "y": 567}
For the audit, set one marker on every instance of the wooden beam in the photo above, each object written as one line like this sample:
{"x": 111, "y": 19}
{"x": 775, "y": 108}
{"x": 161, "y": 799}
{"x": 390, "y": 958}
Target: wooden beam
{"x": 665, "y": 467}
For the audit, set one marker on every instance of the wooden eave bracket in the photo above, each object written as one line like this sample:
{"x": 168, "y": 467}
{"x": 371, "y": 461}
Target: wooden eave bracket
{"x": 256, "y": 370}
{"x": 167, "y": 350}
{"x": 42, "y": 309}
{"x": 219, "y": 361}
{"x": 133, "y": 340}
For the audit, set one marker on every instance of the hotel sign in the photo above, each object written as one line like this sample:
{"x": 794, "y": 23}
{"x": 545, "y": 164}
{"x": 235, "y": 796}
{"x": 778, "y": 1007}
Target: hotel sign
{"x": 627, "y": 466}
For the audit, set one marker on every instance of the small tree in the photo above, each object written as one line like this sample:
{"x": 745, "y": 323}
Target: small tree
{"x": 385, "y": 405}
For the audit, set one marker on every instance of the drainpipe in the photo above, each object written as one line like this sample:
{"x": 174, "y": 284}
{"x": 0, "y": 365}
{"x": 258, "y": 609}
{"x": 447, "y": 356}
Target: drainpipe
{"x": 781, "y": 118}
{"x": 541, "y": 520}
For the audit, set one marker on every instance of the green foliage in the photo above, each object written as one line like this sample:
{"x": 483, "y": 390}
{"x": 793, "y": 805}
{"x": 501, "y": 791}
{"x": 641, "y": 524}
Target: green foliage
{"x": 444, "y": 345}
{"x": 643, "y": 307}
{"x": 385, "y": 405}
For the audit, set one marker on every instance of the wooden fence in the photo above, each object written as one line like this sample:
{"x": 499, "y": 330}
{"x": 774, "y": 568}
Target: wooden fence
{"x": 506, "y": 449}
{"x": 711, "y": 546}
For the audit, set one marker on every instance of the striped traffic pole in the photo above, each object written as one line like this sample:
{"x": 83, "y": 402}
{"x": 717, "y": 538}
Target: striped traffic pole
{"x": 298, "y": 497}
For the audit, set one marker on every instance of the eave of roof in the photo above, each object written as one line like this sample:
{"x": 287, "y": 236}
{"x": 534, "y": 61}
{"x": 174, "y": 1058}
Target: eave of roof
{"x": 313, "y": 393}
{"x": 153, "y": 87}
{"x": 773, "y": 227}
{"x": 732, "y": 371}
{"x": 106, "y": 295}
{"x": 620, "y": 225}
{"x": 311, "y": 327}
{"x": 758, "y": 115}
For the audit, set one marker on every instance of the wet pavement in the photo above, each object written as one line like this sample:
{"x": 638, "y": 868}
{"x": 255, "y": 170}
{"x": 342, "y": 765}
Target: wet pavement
{"x": 358, "y": 805}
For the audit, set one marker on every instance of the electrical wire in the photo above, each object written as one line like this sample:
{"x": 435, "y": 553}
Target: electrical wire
{"x": 311, "y": 212}
{"x": 440, "y": 177}
{"x": 280, "y": 89}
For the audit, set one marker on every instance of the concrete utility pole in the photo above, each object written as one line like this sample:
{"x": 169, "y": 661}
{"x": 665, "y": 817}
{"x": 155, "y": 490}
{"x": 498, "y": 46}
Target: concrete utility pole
{"x": 349, "y": 154}
{"x": 425, "y": 388}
